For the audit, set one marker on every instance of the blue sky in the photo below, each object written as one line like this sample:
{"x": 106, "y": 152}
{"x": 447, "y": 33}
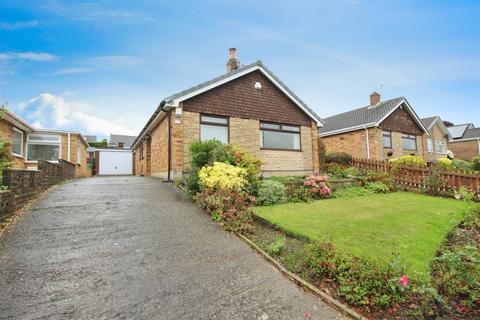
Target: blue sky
{"x": 103, "y": 66}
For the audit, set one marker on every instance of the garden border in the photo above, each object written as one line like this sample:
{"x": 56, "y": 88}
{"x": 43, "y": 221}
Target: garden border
{"x": 304, "y": 284}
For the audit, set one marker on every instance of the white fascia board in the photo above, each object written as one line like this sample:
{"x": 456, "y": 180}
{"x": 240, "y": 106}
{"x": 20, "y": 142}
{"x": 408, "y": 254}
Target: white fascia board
{"x": 349, "y": 129}
{"x": 175, "y": 102}
{"x": 17, "y": 121}
{"x": 463, "y": 140}
{"x": 410, "y": 110}
{"x": 442, "y": 127}
{"x": 113, "y": 150}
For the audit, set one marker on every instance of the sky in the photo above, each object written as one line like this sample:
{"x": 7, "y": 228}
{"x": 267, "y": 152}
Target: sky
{"x": 103, "y": 66}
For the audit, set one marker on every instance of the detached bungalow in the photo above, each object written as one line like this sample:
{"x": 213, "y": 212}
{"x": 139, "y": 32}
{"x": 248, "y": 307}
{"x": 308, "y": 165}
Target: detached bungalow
{"x": 465, "y": 142}
{"x": 381, "y": 130}
{"x": 248, "y": 106}
{"x": 29, "y": 144}
{"x": 436, "y": 142}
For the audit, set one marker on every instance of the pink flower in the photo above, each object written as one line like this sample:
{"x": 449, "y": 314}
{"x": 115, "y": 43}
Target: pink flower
{"x": 314, "y": 190}
{"x": 307, "y": 183}
{"x": 322, "y": 184}
{"x": 404, "y": 281}
{"x": 308, "y": 315}
{"x": 325, "y": 191}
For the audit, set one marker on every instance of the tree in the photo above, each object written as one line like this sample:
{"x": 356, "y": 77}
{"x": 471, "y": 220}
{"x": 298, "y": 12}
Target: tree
{"x": 448, "y": 123}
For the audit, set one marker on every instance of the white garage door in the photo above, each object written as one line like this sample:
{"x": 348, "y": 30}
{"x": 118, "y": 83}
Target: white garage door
{"x": 115, "y": 162}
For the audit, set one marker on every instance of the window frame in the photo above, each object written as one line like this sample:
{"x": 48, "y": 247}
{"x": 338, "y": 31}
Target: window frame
{"x": 432, "y": 150}
{"x": 409, "y": 137}
{"x": 280, "y": 126}
{"x": 386, "y": 133}
{"x": 142, "y": 150}
{"x": 208, "y": 123}
{"x": 21, "y": 143}
{"x": 444, "y": 147}
{"x": 39, "y": 142}
{"x": 79, "y": 151}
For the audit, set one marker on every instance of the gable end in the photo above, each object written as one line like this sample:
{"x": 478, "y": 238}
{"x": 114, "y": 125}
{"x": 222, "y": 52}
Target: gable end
{"x": 401, "y": 120}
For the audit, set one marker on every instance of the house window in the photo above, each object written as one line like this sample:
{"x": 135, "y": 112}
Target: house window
{"x": 409, "y": 142}
{"x": 279, "y": 136}
{"x": 214, "y": 127}
{"x": 79, "y": 151}
{"x": 387, "y": 139}
{"x": 440, "y": 147}
{"x": 142, "y": 151}
{"x": 43, "y": 147}
{"x": 429, "y": 145}
{"x": 17, "y": 142}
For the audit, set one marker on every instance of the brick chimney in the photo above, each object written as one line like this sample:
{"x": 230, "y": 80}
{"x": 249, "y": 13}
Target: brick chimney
{"x": 374, "y": 99}
{"x": 232, "y": 62}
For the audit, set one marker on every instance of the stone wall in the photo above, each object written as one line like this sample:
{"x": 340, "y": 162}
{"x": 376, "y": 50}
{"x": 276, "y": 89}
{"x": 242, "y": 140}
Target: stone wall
{"x": 23, "y": 185}
{"x": 436, "y": 134}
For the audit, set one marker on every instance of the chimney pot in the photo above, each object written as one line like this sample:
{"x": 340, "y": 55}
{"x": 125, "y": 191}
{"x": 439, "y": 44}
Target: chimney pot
{"x": 374, "y": 99}
{"x": 232, "y": 62}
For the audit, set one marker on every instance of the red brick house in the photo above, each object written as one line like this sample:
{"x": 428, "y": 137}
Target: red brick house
{"x": 382, "y": 130}
{"x": 465, "y": 141}
{"x": 248, "y": 106}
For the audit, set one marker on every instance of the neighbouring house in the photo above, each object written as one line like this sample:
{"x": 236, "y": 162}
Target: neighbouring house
{"x": 90, "y": 138}
{"x": 382, "y": 130}
{"x": 121, "y": 141}
{"x": 465, "y": 141}
{"x": 30, "y": 144}
{"x": 248, "y": 106}
{"x": 436, "y": 142}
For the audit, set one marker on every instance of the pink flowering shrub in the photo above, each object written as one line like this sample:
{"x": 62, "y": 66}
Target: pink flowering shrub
{"x": 317, "y": 186}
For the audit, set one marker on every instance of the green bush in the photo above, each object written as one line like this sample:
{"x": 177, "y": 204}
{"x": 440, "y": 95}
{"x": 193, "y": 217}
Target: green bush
{"x": 476, "y": 163}
{"x": 338, "y": 157}
{"x": 239, "y": 157}
{"x": 465, "y": 194}
{"x": 462, "y": 164}
{"x": 270, "y": 192}
{"x": 204, "y": 153}
{"x": 5, "y": 161}
{"x": 445, "y": 163}
{"x": 377, "y": 187}
{"x": 434, "y": 180}
{"x": 352, "y": 192}
{"x": 408, "y": 161}
{"x": 276, "y": 247}
{"x": 384, "y": 177}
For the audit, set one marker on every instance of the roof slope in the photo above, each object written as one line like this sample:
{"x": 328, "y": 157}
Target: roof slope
{"x": 428, "y": 122}
{"x": 118, "y": 138}
{"x": 457, "y": 131}
{"x": 198, "y": 89}
{"x": 472, "y": 134}
{"x": 362, "y": 116}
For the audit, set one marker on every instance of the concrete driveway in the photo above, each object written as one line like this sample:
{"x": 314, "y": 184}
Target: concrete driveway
{"x": 136, "y": 248}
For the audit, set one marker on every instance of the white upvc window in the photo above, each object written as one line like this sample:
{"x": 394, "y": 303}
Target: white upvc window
{"x": 440, "y": 147}
{"x": 43, "y": 147}
{"x": 429, "y": 144}
{"x": 17, "y": 142}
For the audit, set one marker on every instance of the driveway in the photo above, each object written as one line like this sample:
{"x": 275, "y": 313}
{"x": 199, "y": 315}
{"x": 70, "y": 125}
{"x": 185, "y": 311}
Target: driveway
{"x": 136, "y": 248}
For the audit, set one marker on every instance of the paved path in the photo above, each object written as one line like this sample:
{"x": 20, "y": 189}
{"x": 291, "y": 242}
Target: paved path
{"x": 136, "y": 248}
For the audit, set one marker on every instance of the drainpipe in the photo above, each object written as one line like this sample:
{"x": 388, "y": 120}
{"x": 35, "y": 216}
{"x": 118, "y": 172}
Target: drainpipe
{"x": 478, "y": 142}
{"x": 68, "y": 147}
{"x": 367, "y": 142}
{"x": 169, "y": 178}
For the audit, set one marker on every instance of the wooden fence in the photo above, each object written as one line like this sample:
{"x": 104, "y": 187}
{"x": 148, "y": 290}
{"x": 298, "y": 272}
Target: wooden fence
{"x": 415, "y": 177}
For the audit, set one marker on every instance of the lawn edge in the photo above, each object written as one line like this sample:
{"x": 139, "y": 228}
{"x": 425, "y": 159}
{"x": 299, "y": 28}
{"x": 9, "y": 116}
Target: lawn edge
{"x": 304, "y": 284}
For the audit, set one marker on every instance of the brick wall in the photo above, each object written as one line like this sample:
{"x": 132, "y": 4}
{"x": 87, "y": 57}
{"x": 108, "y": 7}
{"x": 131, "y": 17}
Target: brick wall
{"x": 350, "y": 142}
{"x": 5, "y": 204}
{"x": 23, "y": 184}
{"x": 6, "y": 134}
{"x": 401, "y": 121}
{"x": 436, "y": 134}
{"x": 465, "y": 150}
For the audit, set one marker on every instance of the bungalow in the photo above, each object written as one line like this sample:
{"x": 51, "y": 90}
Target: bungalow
{"x": 29, "y": 144}
{"x": 465, "y": 141}
{"x": 381, "y": 130}
{"x": 436, "y": 141}
{"x": 248, "y": 106}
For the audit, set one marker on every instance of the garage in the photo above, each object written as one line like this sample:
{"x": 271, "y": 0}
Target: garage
{"x": 114, "y": 161}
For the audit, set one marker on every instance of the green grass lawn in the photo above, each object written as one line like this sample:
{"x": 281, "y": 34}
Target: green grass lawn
{"x": 374, "y": 226}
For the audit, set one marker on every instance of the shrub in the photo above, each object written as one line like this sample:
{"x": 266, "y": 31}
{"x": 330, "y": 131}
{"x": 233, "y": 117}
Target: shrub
{"x": 205, "y": 153}
{"x": 276, "y": 247}
{"x": 333, "y": 169}
{"x": 464, "y": 194}
{"x": 239, "y": 157}
{"x": 462, "y": 164}
{"x": 445, "y": 163}
{"x": 5, "y": 161}
{"x": 408, "y": 161}
{"x": 360, "y": 282}
{"x": 377, "y": 187}
{"x": 434, "y": 180}
{"x": 338, "y": 157}
{"x": 350, "y": 172}
{"x": 234, "y": 209}
{"x": 317, "y": 186}
{"x": 270, "y": 192}
{"x": 352, "y": 192}
{"x": 476, "y": 163}
{"x": 384, "y": 177}
{"x": 222, "y": 176}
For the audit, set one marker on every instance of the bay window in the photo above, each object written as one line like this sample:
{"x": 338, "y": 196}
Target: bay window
{"x": 440, "y": 147}
{"x": 409, "y": 142}
{"x": 279, "y": 136}
{"x": 214, "y": 127}
{"x": 17, "y": 143}
{"x": 43, "y": 147}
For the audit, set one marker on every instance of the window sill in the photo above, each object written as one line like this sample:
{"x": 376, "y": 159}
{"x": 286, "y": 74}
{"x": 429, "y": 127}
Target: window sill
{"x": 389, "y": 148}
{"x": 272, "y": 149}
{"x": 410, "y": 150}
{"x": 17, "y": 155}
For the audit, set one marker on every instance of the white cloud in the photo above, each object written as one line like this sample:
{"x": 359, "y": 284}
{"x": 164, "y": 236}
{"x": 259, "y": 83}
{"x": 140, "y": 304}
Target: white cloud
{"x": 19, "y": 25}
{"x": 67, "y": 71}
{"x": 113, "y": 61}
{"x": 50, "y": 111}
{"x": 32, "y": 56}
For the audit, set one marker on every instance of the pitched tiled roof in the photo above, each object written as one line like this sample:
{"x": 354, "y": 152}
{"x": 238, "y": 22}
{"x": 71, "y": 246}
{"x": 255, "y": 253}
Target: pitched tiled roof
{"x": 361, "y": 116}
{"x": 471, "y": 133}
{"x": 427, "y": 122}
{"x": 458, "y": 131}
{"x": 127, "y": 141}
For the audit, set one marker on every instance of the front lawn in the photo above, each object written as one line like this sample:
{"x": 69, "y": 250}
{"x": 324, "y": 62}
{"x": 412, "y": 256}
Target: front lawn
{"x": 374, "y": 226}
